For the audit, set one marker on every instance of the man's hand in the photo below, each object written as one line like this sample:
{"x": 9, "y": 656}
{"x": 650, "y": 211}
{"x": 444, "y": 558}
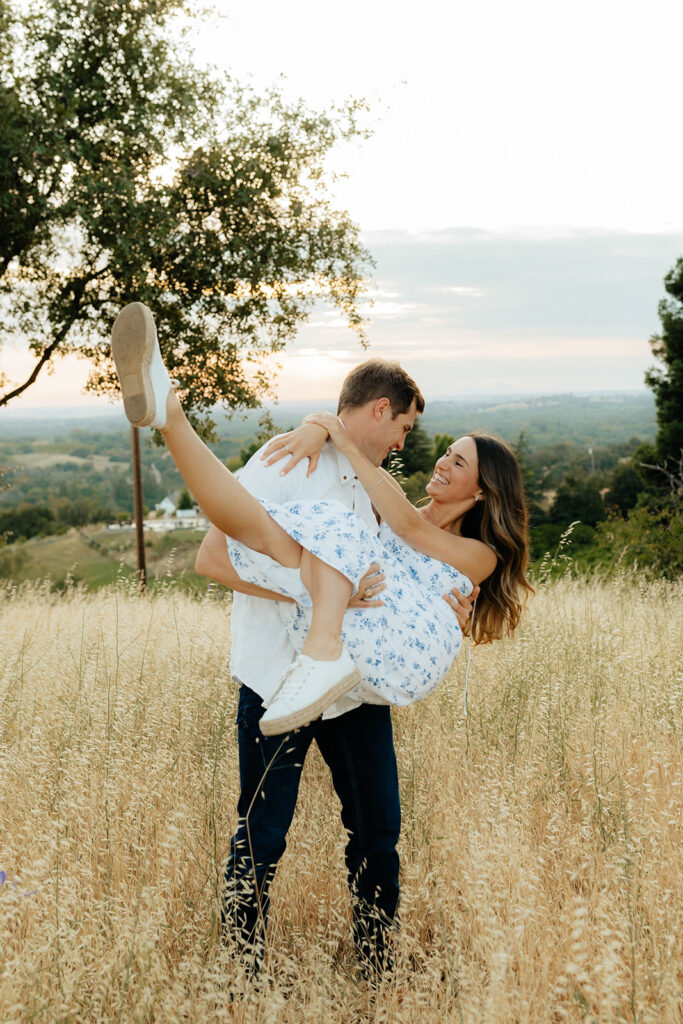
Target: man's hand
{"x": 371, "y": 584}
{"x": 461, "y": 605}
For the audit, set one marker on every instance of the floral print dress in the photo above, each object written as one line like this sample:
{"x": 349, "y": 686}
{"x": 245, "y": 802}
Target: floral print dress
{"x": 403, "y": 649}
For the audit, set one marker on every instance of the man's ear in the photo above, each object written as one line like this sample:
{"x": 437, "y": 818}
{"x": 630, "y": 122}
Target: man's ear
{"x": 380, "y": 406}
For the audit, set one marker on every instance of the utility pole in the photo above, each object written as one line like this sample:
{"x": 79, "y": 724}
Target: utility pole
{"x": 137, "y": 509}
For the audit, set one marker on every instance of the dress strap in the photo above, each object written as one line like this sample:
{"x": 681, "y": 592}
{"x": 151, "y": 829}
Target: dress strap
{"x": 469, "y": 655}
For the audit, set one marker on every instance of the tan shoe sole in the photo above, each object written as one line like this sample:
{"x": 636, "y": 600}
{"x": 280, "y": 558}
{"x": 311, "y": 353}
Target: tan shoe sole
{"x": 133, "y": 339}
{"x": 297, "y": 720}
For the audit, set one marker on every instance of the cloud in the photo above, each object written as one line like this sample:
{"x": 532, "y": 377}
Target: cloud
{"x": 463, "y": 291}
{"x": 393, "y": 310}
{"x": 478, "y": 311}
{"x": 570, "y": 283}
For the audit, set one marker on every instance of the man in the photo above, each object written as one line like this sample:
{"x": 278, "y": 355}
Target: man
{"x": 378, "y": 404}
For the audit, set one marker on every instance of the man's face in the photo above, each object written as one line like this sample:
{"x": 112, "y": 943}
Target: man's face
{"x": 387, "y": 433}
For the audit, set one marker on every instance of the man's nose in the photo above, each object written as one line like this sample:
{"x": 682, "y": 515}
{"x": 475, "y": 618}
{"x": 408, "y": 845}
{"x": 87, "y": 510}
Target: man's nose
{"x": 398, "y": 447}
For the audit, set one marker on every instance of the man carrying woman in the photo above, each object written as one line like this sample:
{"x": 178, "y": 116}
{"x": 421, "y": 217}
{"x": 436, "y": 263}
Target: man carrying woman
{"x": 475, "y": 522}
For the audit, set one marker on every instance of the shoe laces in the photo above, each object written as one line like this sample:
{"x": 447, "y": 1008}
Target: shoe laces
{"x": 294, "y": 681}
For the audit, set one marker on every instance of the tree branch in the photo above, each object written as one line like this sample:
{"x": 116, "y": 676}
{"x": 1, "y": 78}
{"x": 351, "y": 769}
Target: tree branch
{"x": 675, "y": 478}
{"x": 77, "y": 290}
{"x": 45, "y": 358}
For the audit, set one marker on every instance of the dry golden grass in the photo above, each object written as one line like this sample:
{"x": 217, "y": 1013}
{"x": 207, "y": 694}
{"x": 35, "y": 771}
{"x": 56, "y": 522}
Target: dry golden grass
{"x": 541, "y": 848}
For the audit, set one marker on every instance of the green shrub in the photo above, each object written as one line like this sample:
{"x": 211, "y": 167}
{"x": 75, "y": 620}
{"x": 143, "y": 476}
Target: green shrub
{"x": 651, "y": 537}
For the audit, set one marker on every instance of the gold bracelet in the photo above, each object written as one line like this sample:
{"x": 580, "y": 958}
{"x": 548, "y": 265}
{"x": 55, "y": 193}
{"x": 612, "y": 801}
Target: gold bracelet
{"x": 378, "y": 482}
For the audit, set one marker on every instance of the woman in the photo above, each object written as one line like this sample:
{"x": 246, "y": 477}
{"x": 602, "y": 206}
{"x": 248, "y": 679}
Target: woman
{"x": 476, "y": 521}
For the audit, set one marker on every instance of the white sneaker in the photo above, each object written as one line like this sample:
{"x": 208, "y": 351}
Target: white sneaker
{"x": 308, "y": 688}
{"x": 144, "y": 379}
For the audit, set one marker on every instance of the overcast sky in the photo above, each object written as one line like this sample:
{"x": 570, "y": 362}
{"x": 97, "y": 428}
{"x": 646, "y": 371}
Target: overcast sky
{"x": 478, "y": 312}
{"x": 521, "y": 192}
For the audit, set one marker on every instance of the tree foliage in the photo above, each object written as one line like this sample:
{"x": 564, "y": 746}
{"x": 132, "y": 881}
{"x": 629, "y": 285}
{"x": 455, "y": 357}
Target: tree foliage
{"x": 532, "y": 484}
{"x": 30, "y": 520}
{"x": 442, "y": 443}
{"x": 578, "y": 499}
{"x": 126, "y": 173}
{"x": 417, "y": 453}
{"x": 185, "y": 501}
{"x": 666, "y": 381}
{"x": 651, "y": 537}
{"x": 625, "y": 486}
{"x": 268, "y": 428}
{"x": 415, "y": 486}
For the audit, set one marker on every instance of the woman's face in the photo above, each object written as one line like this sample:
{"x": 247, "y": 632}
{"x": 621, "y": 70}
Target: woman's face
{"x": 456, "y": 474}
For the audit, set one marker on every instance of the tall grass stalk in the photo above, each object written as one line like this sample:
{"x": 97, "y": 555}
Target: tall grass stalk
{"x": 542, "y": 880}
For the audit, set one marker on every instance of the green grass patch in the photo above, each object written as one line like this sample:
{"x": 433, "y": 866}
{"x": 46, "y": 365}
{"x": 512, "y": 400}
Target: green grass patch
{"x": 96, "y": 557}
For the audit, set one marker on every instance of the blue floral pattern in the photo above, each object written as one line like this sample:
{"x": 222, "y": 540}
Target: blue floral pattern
{"x": 403, "y": 649}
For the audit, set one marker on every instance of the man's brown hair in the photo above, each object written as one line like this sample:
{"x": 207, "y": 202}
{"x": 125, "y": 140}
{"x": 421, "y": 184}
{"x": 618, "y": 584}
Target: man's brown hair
{"x": 380, "y": 378}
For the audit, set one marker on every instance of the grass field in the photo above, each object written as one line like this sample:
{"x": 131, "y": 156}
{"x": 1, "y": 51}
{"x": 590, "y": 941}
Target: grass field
{"x": 542, "y": 878}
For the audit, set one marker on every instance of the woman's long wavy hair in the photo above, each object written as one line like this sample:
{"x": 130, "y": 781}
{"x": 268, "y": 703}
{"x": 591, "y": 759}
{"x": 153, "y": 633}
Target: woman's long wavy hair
{"x": 501, "y": 522}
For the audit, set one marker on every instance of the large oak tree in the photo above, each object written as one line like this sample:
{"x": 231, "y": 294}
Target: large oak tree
{"x": 126, "y": 173}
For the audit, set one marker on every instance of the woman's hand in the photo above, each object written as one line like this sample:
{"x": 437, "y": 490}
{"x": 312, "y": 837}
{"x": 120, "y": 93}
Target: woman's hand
{"x": 371, "y": 584}
{"x": 332, "y": 424}
{"x": 305, "y": 442}
{"x": 461, "y": 605}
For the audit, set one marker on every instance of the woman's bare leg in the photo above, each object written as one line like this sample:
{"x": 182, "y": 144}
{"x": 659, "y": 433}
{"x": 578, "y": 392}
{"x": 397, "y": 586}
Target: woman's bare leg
{"x": 149, "y": 400}
{"x": 330, "y": 592}
{"x": 220, "y": 495}
{"x": 238, "y": 514}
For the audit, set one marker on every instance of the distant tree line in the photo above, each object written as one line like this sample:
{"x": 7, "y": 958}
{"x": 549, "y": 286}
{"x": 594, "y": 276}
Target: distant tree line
{"x": 616, "y": 501}
{"x": 27, "y": 520}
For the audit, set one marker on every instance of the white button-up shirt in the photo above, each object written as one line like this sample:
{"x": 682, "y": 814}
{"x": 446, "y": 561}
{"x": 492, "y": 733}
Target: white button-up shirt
{"x": 261, "y": 650}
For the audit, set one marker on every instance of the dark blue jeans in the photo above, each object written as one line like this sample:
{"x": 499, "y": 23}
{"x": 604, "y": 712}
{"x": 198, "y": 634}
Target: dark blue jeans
{"x": 358, "y": 748}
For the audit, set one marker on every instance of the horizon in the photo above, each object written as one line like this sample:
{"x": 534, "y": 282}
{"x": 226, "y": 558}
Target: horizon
{"x": 110, "y": 410}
